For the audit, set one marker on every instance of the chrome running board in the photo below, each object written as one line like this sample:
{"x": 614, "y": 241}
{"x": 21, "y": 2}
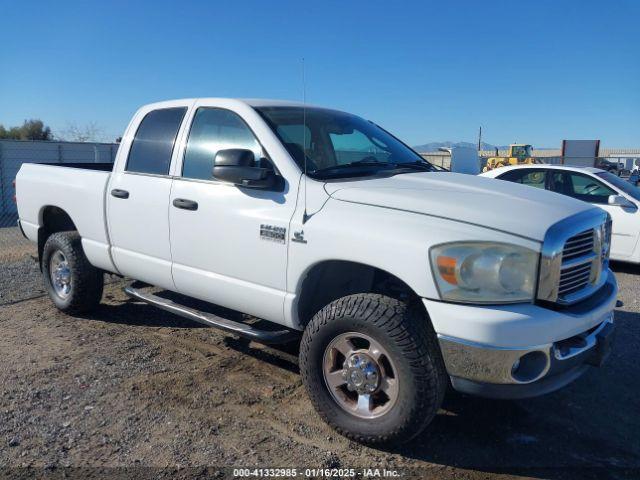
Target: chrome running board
{"x": 210, "y": 320}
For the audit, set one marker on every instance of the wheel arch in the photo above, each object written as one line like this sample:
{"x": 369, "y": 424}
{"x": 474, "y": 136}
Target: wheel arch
{"x": 52, "y": 219}
{"x": 328, "y": 280}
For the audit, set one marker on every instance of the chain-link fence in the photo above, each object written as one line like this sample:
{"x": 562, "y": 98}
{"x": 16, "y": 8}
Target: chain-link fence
{"x": 441, "y": 159}
{"x": 19, "y": 273}
{"x": 13, "y": 153}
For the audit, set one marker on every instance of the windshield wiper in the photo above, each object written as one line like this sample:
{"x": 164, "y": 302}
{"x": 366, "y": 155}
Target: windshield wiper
{"x": 359, "y": 163}
{"x": 417, "y": 165}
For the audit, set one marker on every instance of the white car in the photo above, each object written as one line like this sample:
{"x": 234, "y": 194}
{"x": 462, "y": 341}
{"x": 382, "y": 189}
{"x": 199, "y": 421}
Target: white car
{"x": 603, "y": 189}
{"x": 399, "y": 277}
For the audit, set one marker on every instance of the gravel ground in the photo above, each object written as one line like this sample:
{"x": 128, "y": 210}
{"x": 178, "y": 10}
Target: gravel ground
{"x": 19, "y": 274}
{"x": 13, "y": 246}
{"x": 132, "y": 386}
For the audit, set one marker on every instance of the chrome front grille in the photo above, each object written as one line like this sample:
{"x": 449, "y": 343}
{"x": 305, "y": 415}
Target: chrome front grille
{"x": 574, "y": 258}
{"x": 578, "y": 245}
{"x": 607, "y": 233}
{"x": 573, "y": 279}
{"x": 578, "y": 258}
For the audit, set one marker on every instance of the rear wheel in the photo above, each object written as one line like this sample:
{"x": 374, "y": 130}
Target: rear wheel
{"x": 372, "y": 368}
{"x": 73, "y": 284}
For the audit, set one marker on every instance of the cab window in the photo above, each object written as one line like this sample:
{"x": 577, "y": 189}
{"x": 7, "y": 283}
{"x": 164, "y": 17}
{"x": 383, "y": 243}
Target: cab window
{"x": 153, "y": 144}
{"x": 212, "y": 130}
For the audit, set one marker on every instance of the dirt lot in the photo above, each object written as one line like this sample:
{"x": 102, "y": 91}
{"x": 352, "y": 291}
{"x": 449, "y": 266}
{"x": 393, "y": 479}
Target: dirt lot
{"x": 131, "y": 386}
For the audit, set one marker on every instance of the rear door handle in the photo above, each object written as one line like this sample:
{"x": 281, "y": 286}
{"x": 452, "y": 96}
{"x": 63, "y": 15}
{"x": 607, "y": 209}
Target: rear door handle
{"x": 185, "y": 204}
{"x": 116, "y": 192}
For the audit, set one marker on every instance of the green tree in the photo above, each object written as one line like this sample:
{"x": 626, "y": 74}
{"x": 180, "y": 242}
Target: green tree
{"x": 29, "y": 130}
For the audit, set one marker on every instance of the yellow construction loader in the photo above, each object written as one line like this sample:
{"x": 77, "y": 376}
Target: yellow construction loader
{"x": 519, "y": 154}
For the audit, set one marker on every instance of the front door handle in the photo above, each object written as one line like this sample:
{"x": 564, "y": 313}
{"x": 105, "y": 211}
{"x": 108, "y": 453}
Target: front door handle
{"x": 185, "y": 204}
{"x": 116, "y": 192}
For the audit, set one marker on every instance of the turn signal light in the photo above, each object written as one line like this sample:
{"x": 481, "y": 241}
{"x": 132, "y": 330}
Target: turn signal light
{"x": 447, "y": 269}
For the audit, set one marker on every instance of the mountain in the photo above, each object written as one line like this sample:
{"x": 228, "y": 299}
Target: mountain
{"x": 434, "y": 146}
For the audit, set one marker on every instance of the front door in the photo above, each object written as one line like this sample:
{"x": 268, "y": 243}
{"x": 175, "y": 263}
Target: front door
{"x": 228, "y": 243}
{"x": 138, "y": 200}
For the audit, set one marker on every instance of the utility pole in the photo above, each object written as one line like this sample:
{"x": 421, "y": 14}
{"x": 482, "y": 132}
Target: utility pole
{"x": 480, "y": 139}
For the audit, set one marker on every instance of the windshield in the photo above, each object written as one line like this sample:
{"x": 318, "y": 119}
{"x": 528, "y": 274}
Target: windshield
{"x": 339, "y": 145}
{"x": 521, "y": 151}
{"x": 620, "y": 184}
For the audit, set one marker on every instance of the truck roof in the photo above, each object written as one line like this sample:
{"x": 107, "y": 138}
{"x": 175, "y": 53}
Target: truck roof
{"x": 253, "y": 102}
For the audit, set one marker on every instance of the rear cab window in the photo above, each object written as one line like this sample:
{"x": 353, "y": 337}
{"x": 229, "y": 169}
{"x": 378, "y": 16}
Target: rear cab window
{"x": 153, "y": 143}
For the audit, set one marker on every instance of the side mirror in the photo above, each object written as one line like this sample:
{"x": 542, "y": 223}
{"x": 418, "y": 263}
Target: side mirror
{"x": 238, "y": 166}
{"x": 620, "y": 201}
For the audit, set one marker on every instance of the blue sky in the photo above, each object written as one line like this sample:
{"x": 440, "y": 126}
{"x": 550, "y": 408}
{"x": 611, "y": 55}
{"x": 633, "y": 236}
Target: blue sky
{"x": 527, "y": 71}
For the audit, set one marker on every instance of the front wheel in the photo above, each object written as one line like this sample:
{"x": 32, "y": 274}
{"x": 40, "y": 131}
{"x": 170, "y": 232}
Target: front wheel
{"x": 73, "y": 284}
{"x": 372, "y": 368}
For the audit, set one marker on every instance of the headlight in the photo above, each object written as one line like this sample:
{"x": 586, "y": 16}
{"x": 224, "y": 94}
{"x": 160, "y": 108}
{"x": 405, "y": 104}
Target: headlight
{"x": 484, "y": 272}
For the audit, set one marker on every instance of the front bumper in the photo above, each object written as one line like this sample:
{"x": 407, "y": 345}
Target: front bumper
{"x": 520, "y": 370}
{"x": 510, "y": 373}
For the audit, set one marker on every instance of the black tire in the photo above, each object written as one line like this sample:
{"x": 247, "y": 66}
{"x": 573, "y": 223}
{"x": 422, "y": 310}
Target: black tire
{"x": 408, "y": 337}
{"x": 86, "y": 281}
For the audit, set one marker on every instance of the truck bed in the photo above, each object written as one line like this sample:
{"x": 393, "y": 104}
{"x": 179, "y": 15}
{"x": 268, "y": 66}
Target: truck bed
{"x": 102, "y": 166}
{"x": 78, "y": 189}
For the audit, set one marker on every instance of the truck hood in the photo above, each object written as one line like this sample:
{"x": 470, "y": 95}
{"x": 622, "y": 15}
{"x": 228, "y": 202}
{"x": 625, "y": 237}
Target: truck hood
{"x": 496, "y": 204}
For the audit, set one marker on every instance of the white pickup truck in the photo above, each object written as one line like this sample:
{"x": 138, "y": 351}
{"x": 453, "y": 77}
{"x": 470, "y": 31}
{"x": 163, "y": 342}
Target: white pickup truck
{"x": 403, "y": 279}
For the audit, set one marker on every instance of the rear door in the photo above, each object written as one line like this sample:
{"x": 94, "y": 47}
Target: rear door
{"x": 138, "y": 198}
